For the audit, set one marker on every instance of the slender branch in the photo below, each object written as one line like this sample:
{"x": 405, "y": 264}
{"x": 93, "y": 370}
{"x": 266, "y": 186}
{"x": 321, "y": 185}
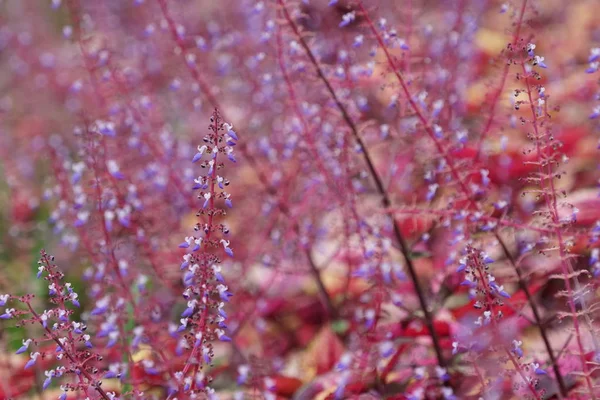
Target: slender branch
{"x": 68, "y": 354}
{"x": 385, "y": 199}
{"x": 427, "y": 127}
{"x": 566, "y": 267}
{"x": 500, "y": 88}
{"x": 536, "y": 315}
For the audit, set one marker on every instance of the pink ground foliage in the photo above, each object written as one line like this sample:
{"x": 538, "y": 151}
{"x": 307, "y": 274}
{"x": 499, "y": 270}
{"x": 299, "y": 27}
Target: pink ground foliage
{"x": 299, "y": 199}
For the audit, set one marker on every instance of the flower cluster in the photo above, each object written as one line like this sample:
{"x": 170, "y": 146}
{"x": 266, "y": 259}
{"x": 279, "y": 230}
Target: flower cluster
{"x": 206, "y": 293}
{"x": 491, "y": 333}
{"x": 385, "y": 144}
{"x": 64, "y": 340}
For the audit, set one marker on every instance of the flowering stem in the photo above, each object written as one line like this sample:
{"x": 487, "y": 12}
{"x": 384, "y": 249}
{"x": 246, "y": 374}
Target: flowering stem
{"x": 536, "y": 315}
{"x": 67, "y": 353}
{"x": 545, "y": 169}
{"x": 496, "y": 328}
{"x": 385, "y": 199}
{"x": 500, "y": 88}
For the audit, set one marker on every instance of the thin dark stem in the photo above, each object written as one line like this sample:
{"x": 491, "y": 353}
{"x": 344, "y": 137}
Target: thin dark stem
{"x": 331, "y": 311}
{"x": 536, "y": 316}
{"x": 385, "y": 199}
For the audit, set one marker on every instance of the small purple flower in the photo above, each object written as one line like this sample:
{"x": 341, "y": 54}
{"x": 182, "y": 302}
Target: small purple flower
{"x": 538, "y": 370}
{"x": 228, "y": 250}
{"x": 150, "y": 368}
{"x": 431, "y": 190}
{"x": 230, "y": 155}
{"x": 110, "y": 374}
{"x": 186, "y": 243}
{"x": 88, "y": 344}
{"x": 502, "y": 292}
{"x": 217, "y": 271}
{"x": 186, "y": 261}
{"x": 207, "y": 197}
{"x": 31, "y": 362}
{"x": 230, "y": 131}
{"x": 243, "y": 371}
{"x": 538, "y": 60}
{"x": 112, "y": 338}
{"x": 183, "y": 326}
{"x": 386, "y": 349}
{"x": 8, "y": 313}
{"x": 49, "y": 375}
{"x": 25, "y": 346}
{"x": 468, "y": 282}
{"x": 197, "y": 243}
{"x": 101, "y": 306}
{"x": 347, "y": 18}
{"x": 113, "y": 169}
{"x": 517, "y": 348}
{"x": 190, "y": 309}
{"x": 198, "y": 155}
{"x": 222, "y": 336}
{"x": 224, "y": 293}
